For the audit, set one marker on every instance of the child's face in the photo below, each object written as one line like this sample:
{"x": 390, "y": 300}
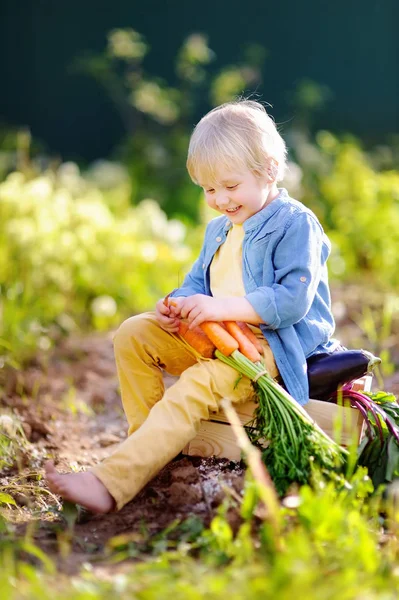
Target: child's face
{"x": 238, "y": 195}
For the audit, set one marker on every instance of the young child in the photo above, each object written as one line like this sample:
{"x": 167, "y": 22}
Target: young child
{"x": 263, "y": 261}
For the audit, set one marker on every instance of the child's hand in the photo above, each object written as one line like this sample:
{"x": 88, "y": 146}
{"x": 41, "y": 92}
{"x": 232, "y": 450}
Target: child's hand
{"x": 199, "y": 308}
{"x": 167, "y": 317}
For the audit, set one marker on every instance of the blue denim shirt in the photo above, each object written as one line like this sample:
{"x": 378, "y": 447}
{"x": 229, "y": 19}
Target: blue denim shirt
{"x": 285, "y": 277}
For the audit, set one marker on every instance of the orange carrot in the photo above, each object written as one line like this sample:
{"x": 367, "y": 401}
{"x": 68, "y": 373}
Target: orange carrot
{"x": 251, "y": 336}
{"x": 247, "y": 348}
{"x": 220, "y": 337}
{"x": 197, "y": 339}
{"x": 166, "y": 300}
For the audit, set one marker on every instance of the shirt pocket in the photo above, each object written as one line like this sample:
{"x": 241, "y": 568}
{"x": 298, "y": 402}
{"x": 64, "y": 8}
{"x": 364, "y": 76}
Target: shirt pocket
{"x": 260, "y": 265}
{"x": 261, "y": 248}
{"x": 262, "y": 239}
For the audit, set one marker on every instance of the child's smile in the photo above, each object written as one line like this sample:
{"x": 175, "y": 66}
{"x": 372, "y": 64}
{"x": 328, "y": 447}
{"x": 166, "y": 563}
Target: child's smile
{"x": 239, "y": 195}
{"x": 233, "y": 210}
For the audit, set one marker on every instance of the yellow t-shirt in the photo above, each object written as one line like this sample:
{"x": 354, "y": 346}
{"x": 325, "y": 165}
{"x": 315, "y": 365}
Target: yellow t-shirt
{"x": 226, "y": 266}
{"x": 226, "y": 269}
{"x": 226, "y": 280}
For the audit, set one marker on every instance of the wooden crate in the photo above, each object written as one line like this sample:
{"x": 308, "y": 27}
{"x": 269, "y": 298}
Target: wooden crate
{"x": 216, "y": 438}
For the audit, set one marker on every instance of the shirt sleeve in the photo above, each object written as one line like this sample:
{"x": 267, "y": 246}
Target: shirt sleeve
{"x": 298, "y": 264}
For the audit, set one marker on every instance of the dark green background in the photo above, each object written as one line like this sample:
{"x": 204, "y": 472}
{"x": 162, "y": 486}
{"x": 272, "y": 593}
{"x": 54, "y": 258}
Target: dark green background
{"x": 350, "y": 46}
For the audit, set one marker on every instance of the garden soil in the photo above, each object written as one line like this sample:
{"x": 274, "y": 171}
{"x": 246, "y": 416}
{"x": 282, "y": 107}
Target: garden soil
{"x": 71, "y": 412}
{"x": 70, "y": 408}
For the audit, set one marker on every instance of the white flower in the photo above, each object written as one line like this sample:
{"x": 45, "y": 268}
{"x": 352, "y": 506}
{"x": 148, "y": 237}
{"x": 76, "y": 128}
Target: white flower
{"x": 106, "y": 174}
{"x": 148, "y": 252}
{"x": 8, "y": 425}
{"x": 104, "y": 306}
{"x": 175, "y": 231}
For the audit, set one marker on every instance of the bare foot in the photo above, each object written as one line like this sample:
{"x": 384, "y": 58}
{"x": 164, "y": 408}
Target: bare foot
{"x": 82, "y": 488}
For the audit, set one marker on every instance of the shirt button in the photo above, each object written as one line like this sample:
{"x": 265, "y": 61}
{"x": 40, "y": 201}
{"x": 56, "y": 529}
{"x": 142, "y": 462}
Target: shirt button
{"x": 203, "y": 265}
{"x": 303, "y": 279}
{"x": 218, "y": 239}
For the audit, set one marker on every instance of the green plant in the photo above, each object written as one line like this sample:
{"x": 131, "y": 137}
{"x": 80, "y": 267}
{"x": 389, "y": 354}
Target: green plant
{"x": 357, "y": 205}
{"x": 73, "y": 254}
{"x": 158, "y": 117}
{"x": 332, "y": 548}
{"x": 13, "y": 442}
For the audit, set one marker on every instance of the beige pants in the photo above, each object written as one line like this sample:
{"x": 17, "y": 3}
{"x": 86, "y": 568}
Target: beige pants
{"x": 162, "y": 423}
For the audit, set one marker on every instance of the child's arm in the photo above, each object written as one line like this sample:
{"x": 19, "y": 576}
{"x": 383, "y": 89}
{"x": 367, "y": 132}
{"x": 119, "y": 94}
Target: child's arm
{"x": 300, "y": 266}
{"x": 299, "y": 261}
{"x": 199, "y": 308}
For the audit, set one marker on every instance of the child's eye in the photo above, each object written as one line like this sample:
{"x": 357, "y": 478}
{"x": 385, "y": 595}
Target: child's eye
{"x": 210, "y": 191}
{"x": 232, "y": 187}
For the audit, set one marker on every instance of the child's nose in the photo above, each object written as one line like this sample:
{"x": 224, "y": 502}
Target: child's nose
{"x": 222, "y": 200}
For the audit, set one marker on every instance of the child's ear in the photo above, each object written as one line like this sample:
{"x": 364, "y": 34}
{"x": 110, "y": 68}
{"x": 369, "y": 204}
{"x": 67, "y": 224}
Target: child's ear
{"x": 271, "y": 169}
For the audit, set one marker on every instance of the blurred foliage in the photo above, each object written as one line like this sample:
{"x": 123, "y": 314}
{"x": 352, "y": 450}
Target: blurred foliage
{"x": 307, "y": 99}
{"x": 337, "y": 178}
{"x": 357, "y": 204}
{"x": 74, "y": 252}
{"x": 158, "y": 117}
{"x": 87, "y": 249}
{"x": 12, "y": 442}
{"x": 15, "y": 148}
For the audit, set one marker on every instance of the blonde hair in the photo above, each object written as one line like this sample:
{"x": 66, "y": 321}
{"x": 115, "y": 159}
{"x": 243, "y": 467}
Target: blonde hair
{"x": 233, "y": 136}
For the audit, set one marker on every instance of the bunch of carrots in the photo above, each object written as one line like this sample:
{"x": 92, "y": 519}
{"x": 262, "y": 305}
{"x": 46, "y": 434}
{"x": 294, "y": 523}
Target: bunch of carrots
{"x": 295, "y": 443}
